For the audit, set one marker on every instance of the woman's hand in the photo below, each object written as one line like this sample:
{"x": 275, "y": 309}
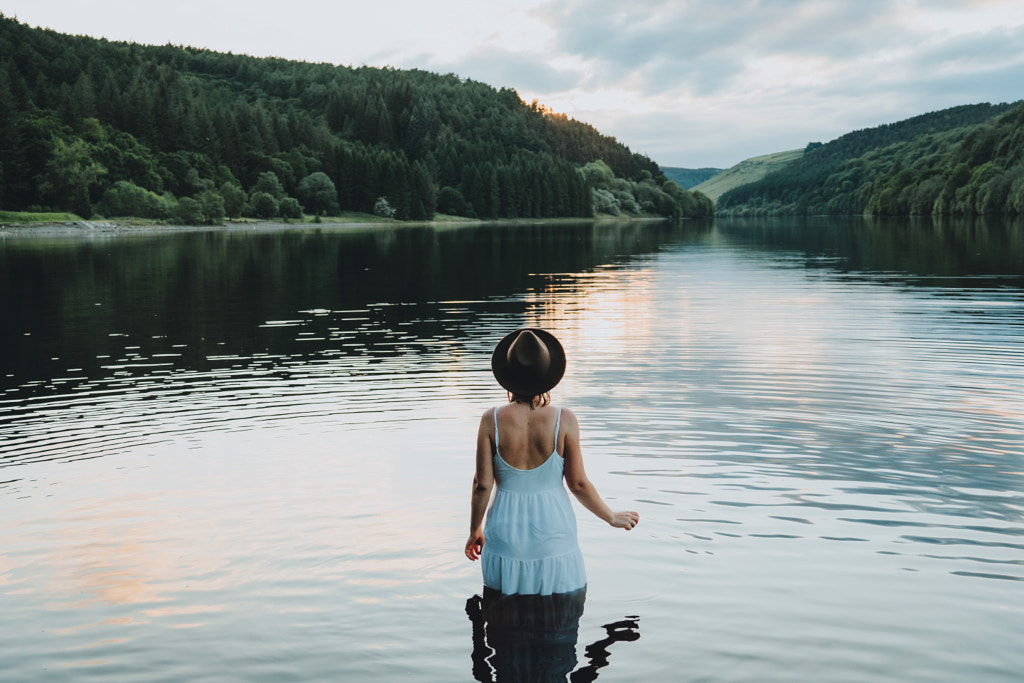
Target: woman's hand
{"x": 474, "y": 545}
{"x": 625, "y": 520}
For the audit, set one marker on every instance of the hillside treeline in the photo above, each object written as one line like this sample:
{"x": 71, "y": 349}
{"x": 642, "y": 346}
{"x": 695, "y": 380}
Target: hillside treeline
{"x": 93, "y": 127}
{"x": 962, "y": 161}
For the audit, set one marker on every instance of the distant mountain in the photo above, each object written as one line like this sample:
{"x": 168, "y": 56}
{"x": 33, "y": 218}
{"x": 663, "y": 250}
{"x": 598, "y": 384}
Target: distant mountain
{"x": 745, "y": 172}
{"x": 689, "y": 178}
{"x": 966, "y": 160}
{"x": 166, "y": 132}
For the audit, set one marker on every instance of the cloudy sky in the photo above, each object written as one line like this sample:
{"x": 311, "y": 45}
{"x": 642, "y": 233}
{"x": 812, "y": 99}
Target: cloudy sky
{"x": 690, "y": 83}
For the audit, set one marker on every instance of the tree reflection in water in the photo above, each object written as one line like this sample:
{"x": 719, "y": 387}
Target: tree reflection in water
{"x": 533, "y": 637}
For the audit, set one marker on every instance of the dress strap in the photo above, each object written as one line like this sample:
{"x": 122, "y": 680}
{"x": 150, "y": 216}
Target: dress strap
{"x": 496, "y": 428}
{"x": 558, "y": 423}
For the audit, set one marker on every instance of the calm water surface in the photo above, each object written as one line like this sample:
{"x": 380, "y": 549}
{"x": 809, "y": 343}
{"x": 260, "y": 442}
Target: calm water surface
{"x": 246, "y": 456}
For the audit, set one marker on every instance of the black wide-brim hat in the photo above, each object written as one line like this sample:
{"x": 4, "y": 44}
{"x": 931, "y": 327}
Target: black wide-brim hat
{"x": 528, "y": 362}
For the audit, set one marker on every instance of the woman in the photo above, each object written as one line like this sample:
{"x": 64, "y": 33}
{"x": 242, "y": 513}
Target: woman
{"x": 527, "y": 447}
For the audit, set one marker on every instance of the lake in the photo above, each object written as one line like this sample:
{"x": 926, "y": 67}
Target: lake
{"x": 246, "y": 454}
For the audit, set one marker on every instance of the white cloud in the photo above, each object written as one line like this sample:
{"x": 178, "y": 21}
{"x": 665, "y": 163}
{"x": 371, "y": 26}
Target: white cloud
{"x": 733, "y": 80}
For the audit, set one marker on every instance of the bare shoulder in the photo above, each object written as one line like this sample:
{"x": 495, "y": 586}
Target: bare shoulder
{"x": 569, "y": 420}
{"x": 567, "y": 413}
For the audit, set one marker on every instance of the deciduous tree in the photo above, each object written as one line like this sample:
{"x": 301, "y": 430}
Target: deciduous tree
{"x": 318, "y": 194}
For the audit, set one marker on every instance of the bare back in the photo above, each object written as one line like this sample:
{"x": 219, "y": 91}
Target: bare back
{"x": 526, "y": 438}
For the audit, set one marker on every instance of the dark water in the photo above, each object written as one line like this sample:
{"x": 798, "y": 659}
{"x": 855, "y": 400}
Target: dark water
{"x": 246, "y": 456}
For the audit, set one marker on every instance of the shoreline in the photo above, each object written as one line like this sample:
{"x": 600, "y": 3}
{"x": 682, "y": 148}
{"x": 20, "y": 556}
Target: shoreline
{"x": 117, "y": 228}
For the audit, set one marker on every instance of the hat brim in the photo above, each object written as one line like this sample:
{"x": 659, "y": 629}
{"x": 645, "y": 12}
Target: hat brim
{"x": 518, "y": 386}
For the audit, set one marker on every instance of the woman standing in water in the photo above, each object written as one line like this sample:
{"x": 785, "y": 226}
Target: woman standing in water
{"x": 527, "y": 448}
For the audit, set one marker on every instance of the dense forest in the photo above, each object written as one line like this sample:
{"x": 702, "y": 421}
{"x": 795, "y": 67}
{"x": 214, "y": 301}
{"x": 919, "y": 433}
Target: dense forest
{"x": 102, "y": 128}
{"x": 963, "y": 161}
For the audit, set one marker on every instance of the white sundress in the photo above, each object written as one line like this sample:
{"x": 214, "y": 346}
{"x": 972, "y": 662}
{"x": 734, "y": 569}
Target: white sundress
{"x": 530, "y": 543}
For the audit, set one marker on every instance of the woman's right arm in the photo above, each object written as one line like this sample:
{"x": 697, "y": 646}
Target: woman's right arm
{"x": 483, "y": 482}
{"x": 580, "y": 485}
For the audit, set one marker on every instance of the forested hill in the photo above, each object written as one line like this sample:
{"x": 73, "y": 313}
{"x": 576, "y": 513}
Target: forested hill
{"x": 111, "y": 128}
{"x": 965, "y": 160}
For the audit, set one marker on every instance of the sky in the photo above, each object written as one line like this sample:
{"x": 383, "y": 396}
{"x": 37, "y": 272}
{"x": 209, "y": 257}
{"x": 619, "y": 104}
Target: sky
{"x": 690, "y": 83}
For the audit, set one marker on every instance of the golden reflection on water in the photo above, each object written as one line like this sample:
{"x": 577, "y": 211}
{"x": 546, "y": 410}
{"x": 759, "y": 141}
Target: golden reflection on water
{"x": 590, "y": 310}
{"x": 70, "y": 630}
{"x": 127, "y": 551}
{"x": 360, "y": 524}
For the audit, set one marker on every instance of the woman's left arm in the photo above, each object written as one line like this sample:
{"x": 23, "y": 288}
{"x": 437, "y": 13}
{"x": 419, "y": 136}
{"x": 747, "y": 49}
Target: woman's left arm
{"x": 483, "y": 483}
{"x": 580, "y": 485}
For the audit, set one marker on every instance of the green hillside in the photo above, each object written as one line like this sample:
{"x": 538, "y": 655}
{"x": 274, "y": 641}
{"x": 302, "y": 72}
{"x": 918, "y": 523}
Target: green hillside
{"x": 689, "y": 178}
{"x": 966, "y": 160}
{"x": 164, "y": 132}
{"x": 748, "y": 171}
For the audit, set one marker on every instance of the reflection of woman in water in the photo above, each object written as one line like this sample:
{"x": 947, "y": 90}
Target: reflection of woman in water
{"x": 525, "y": 627}
{"x": 527, "y": 448}
{"x": 533, "y": 638}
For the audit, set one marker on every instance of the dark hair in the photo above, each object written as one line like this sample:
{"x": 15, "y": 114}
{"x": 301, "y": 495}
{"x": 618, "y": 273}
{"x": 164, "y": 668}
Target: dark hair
{"x": 537, "y": 401}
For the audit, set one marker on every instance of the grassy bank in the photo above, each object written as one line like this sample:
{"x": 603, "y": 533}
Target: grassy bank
{"x": 64, "y": 224}
{"x": 29, "y": 220}
{"x": 30, "y": 217}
